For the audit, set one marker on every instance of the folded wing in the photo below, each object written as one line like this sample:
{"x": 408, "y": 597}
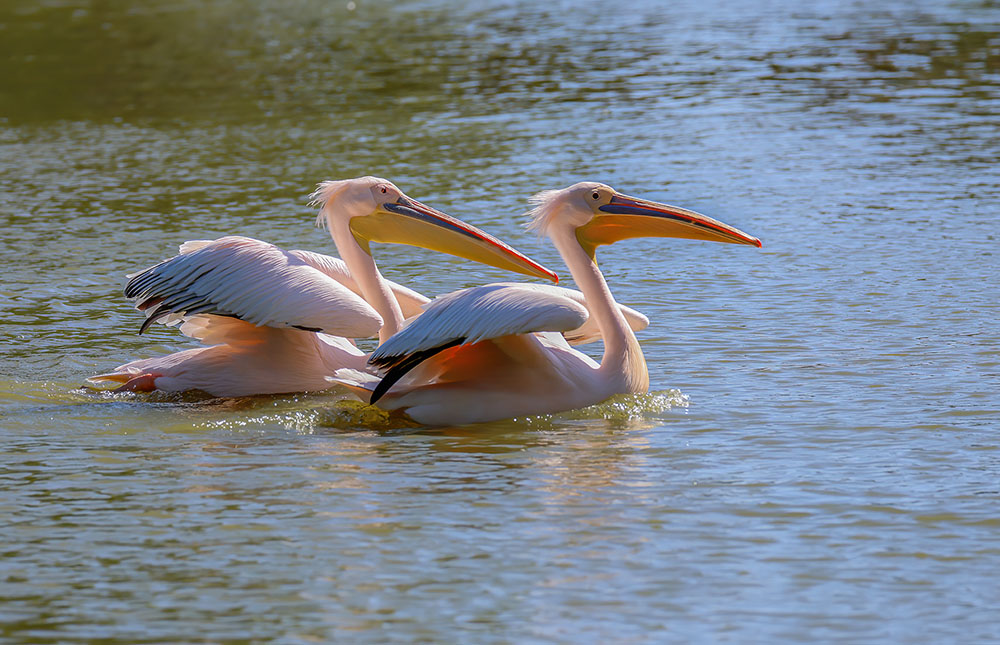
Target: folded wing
{"x": 588, "y": 332}
{"x": 254, "y": 281}
{"x": 470, "y": 316}
{"x": 410, "y": 302}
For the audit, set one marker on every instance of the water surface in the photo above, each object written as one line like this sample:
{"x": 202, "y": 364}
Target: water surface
{"x": 817, "y": 461}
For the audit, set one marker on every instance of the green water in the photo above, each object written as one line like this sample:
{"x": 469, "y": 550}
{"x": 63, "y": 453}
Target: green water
{"x": 818, "y": 460}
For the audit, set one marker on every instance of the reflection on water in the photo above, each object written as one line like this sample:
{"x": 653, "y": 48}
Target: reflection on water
{"x": 829, "y": 472}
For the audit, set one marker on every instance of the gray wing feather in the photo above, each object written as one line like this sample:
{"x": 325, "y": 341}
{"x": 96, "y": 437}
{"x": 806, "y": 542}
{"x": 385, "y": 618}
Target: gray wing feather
{"x": 481, "y": 313}
{"x": 254, "y": 281}
{"x": 588, "y": 332}
{"x": 410, "y": 301}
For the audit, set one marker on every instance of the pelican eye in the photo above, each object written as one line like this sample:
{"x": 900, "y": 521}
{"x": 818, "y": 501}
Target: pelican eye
{"x": 383, "y": 190}
{"x": 596, "y": 195}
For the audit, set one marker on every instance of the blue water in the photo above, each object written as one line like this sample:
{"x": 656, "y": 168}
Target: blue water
{"x": 817, "y": 460}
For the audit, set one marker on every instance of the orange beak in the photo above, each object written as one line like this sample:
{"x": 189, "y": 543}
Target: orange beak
{"x": 627, "y": 217}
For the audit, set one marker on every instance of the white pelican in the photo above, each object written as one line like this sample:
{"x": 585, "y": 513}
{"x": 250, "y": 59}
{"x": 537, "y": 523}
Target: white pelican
{"x": 485, "y": 353}
{"x": 279, "y": 321}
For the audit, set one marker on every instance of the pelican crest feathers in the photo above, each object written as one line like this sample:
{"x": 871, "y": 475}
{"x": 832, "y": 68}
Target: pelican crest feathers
{"x": 545, "y": 205}
{"x": 548, "y": 203}
{"x": 327, "y": 191}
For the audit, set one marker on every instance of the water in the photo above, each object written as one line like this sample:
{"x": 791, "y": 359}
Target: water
{"x": 818, "y": 460}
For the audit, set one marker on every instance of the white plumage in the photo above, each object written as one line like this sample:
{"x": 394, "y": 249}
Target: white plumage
{"x": 588, "y": 332}
{"x": 257, "y": 308}
{"x": 489, "y": 353}
{"x": 280, "y": 321}
{"x": 248, "y": 360}
{"x": 410, "y": 301}
{"x": 256, "y": 282}
{"x": 480, "y": 313}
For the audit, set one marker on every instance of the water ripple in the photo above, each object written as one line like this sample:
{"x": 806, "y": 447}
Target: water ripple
{"x": 817, "y": 460}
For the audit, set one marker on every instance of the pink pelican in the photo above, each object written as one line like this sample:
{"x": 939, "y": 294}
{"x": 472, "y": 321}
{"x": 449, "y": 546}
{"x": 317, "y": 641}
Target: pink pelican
{"x": 490, "y": 352}
{"x": 280, "y": 321}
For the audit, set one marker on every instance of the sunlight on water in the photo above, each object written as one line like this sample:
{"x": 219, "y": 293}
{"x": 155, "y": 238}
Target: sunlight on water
{"x": 355, "y": 415}
{"x": 818, "y": 460}
{"x": 632, "y": 406}
{"x": 302, "y": 416}
{"x": 320, "y": 412}
{"x": 13, "y": 392}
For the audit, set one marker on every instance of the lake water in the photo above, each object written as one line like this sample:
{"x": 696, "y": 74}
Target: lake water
{"x": 818, "y": 459}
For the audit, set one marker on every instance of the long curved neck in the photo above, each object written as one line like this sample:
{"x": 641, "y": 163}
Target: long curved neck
{"x": 623, "y": 357}
{"x": 374, "y": 288}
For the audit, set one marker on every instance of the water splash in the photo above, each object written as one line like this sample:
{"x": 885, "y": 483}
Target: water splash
{"x": 317, "y": 412}
{"x": 357, "y": 416}
{"x": 308, "y": 414}
{"x": 626, "y": 407}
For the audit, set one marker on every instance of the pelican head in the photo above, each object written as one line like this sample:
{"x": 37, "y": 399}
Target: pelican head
{"x": 375, "y": 210}
{"x": 601, "y": 215}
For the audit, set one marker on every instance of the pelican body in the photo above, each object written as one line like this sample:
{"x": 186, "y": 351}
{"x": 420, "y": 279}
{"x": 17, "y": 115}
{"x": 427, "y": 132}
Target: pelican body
{"x": 281, "y": 321}
{"x": 497, "y": 351}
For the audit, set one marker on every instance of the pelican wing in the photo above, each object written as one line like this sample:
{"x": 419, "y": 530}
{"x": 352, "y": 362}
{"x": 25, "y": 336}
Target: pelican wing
{"x": 410, "y": 301}
{"x": 251, "y": 280}
{"x": 470, "y": 316}
{"x": 216, "y": 330}
{"x": 588, "y": 332}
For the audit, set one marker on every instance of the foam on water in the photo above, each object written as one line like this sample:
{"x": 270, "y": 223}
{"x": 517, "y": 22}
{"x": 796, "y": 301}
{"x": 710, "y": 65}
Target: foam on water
{"x": 632, "y": 406}
{"x": 312, "y": 412}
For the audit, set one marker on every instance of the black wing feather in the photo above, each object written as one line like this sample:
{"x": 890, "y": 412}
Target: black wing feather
{"x": 397, "y": 366}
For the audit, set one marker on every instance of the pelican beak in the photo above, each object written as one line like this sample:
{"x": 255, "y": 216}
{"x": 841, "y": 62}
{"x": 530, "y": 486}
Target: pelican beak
{"x": 407, "y": 221}
{"x": 626, "y": 217}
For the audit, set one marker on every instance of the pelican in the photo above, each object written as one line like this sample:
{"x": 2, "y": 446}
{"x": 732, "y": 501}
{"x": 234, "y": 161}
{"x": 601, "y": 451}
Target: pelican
{"x": 488, "y": 353}
{"x": 280, "y": 321}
